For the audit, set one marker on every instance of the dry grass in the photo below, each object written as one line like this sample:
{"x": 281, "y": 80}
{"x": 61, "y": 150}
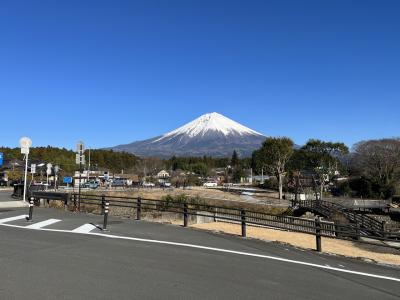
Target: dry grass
{"x": 307, "y": 241}
{"x": 209, "y": 196}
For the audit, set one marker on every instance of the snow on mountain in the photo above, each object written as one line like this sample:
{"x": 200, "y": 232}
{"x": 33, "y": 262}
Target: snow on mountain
{"x": 212, "y": 122}
{"x": 211, "y": 134}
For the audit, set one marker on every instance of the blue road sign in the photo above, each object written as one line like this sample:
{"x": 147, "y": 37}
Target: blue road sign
{"x": 1, "y": 158}
{"x": 67, "y": 179}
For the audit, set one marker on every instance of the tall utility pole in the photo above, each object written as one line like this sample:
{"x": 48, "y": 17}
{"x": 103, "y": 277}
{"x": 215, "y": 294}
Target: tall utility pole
{"x": 88, "y": 170}
{"x": 80, "y": 159}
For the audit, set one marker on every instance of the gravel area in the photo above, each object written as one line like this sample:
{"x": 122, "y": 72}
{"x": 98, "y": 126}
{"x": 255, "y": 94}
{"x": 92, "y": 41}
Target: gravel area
{"x": 346, "y": 248}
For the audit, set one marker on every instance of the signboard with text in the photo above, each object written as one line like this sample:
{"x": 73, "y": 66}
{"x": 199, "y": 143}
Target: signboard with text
{"x": 67, "y": 179}
{"x": 1, "y": 158}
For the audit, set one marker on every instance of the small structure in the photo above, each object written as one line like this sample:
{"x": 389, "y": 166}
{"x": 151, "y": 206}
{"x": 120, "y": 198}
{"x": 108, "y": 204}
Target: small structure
{"x": 163, "y": 174}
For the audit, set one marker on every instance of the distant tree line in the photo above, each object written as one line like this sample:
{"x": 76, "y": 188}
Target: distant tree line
{"x": 103, "y": 159}
{"x": 372, "y": 167}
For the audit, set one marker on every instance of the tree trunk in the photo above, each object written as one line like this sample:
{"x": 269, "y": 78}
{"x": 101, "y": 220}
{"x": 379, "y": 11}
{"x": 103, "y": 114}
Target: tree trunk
{"x": 280, "y": 185}
{"x": 321, "y": 187}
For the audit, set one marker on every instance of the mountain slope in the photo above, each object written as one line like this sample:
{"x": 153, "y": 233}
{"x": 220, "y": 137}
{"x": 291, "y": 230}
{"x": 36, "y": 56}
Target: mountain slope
{"x": 211, "y": 134}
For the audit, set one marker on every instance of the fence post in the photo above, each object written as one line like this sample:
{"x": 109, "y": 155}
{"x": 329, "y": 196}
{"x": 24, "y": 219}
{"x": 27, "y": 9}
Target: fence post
{"x": 105, "y": 216}
{"x": 103, "y": 203}
{"x": 243, "y": 219}
{"x": 383, "y": 229}
{"x": 74, "y": 202}
{"x": 357, "y": 231}
{"x": 318, "y": 233}
{"x": 29, "y": 219}
{"x": 139, "y": 209}
{"x": 185, "y": 214}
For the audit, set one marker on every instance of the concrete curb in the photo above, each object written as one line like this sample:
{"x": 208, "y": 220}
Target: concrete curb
{"x": 13, "y": 204}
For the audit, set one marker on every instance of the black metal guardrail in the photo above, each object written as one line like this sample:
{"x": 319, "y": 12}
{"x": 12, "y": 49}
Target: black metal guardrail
{"x": 372, "y": 226}
{"x": 317, "y": 227}
{"x": 51, "y": 196}
{"x": 18, "y": 190}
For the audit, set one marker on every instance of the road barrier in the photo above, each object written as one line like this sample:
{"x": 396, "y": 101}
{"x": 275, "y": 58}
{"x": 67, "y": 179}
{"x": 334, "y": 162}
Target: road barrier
{"x": 30, "y": 215}
{"x": 106, "y": 208}
{"x": 317, "y": 227}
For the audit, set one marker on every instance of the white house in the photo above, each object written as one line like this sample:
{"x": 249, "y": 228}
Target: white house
{"x": 163, "y": 174}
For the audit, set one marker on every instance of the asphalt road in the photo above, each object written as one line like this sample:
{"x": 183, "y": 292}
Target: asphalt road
{"x": 133, "y": 261}
{"x": 5, "y": 195}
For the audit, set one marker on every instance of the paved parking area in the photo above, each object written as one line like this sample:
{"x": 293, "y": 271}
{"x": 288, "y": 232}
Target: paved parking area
{"x": 67, "y": 255}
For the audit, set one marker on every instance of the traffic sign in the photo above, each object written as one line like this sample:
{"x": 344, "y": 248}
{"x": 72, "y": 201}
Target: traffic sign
{"x": 33, "y": 168}
{"x": 67, "y": 179}
{"x": 80, "y": 147}
{"x": 49, "y": 165}
{"x": 80, "y": 159}
{"x": 1, "y": 158}
{"x": 25, "y": 144}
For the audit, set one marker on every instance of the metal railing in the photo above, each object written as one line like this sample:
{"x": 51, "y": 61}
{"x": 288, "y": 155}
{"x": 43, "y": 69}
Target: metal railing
{"x": 317, "y": 227}
{"x": 326, "y": 208}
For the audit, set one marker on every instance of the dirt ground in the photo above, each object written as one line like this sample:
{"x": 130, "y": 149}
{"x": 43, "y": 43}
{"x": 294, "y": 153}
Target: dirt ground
{"x": 346, "y": 248}
{"x": 201, "y": 192}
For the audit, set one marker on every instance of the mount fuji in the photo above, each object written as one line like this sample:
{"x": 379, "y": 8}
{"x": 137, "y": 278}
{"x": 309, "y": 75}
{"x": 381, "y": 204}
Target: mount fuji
{"x": 211, "y": 134}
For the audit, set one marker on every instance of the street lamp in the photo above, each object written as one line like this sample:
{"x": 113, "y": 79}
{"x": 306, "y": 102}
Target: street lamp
{"x": 25, "y": 144}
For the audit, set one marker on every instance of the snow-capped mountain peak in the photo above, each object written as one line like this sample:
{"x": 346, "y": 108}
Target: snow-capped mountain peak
{"x": 211, "y": 134}
{"x": 211, "y": 122}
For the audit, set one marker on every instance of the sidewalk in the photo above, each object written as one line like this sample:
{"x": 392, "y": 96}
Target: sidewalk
{"x": 6, "y": 201}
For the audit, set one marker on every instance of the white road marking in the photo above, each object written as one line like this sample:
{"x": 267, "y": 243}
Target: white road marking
{"x": 84, "y": 228}
{"x": 39, "y": 225}
{"x": 298, "y": 262}
{"x": 2, "y": 221}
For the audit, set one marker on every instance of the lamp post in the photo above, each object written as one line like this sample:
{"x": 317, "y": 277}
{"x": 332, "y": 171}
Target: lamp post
{"x": 25, "y": 144}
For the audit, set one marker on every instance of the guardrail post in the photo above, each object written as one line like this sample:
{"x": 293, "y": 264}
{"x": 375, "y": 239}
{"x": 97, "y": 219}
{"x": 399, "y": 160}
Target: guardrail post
{"x": 243, "y": 219}
{"x": 103, "y": 204}
{"x": 185, "y": 214}
{"x": 318, "y": 233}
{"x": 106, "y": 207}
{"x": 139, "y": 209}
{"x": 29, "y": 219}
{"x": 357, "y": 231}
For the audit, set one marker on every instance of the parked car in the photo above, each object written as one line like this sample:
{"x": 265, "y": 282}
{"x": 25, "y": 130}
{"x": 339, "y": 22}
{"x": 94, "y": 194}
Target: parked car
{"x": 91, "y": 185}
{"x": 118, "y": 182}
{"x": 210, "y": 184}
{"x": 148, "y": 184}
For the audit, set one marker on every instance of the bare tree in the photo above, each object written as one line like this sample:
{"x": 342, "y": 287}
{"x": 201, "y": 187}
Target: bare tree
{"x": 379, "y": 160}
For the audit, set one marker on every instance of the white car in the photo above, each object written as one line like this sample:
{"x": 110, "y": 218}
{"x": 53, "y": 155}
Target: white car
{"x": 148, "y": 184}
{"x": 210, "y": 184}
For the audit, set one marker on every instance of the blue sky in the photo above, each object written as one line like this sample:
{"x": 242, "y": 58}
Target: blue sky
{"x": 111, "y": 72}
